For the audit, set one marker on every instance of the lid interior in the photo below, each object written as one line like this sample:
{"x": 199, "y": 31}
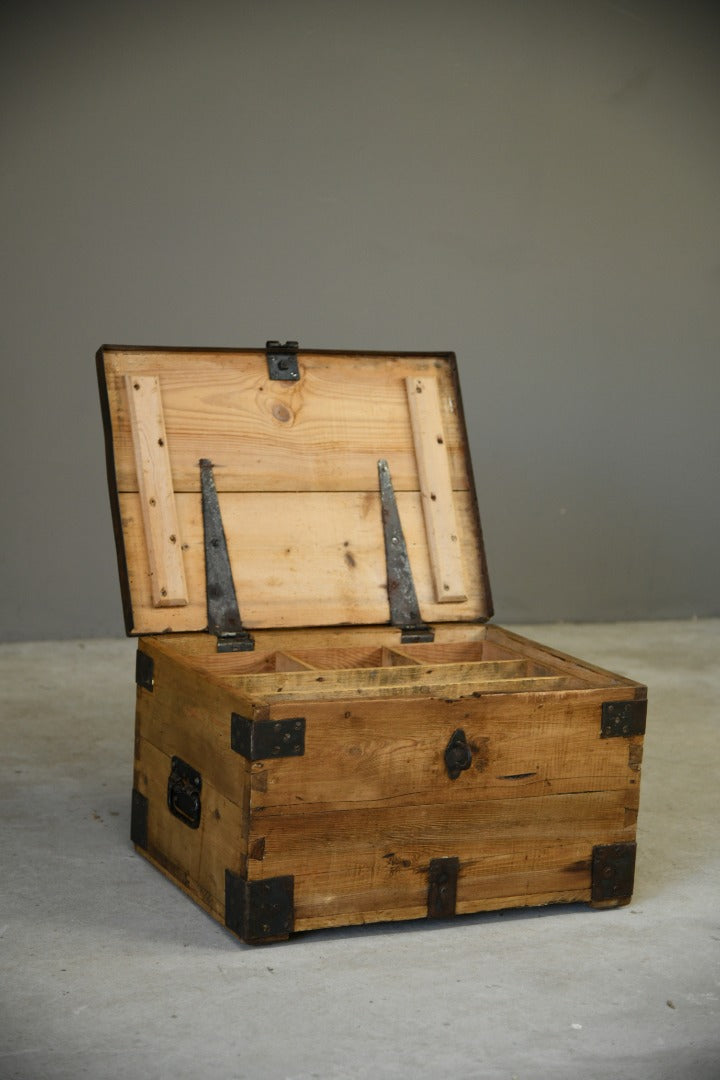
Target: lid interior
{"x": 295, "y": 465}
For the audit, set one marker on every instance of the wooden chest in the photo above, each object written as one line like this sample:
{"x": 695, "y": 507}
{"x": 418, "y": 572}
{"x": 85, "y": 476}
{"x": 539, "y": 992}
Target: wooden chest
{"x": 329, "y": 731}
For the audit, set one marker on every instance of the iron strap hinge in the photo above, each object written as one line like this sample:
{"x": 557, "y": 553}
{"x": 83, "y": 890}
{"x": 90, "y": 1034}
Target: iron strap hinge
{"x": 282, "y": 361}
{"x": 402, "y": 597}
{"x": 222, "y": 607}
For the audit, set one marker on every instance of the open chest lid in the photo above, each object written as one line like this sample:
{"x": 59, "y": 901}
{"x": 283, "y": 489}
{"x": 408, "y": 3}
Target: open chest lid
{"x": 277, "y": 488}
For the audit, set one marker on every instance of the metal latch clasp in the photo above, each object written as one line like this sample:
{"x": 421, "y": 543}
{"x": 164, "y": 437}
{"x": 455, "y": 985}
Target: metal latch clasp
{"x": 282, "y": 361}
{"x": 458, "y": 755}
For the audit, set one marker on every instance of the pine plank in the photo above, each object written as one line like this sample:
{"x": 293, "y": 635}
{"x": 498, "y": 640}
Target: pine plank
{"x": 527, "y": 876}
{"x": 289, "y": 662}
{"x": 441, "y": 524}
{"x": 383, "y": 753}
{"x": 396, "y": 658}
{"x": 298, "y": 559}
{"x": 454, "y": 652}
{"x": 377, "y": 859}
{"x": 308, "y": 452}
{"x": 325, "y": 432}
{"x": 434, "y": 687}
{"x": 162, "y": 535}
{"x": 419, "y": 910}
{"x": 369, "y": 679}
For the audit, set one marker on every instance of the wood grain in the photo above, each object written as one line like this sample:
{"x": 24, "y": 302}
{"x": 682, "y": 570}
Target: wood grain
{"x": 201, "y": 649}
{"x": 377, "y": 859}
{"x": 553, "y": 658}
{"x": 396, "y": 676}
{"x": 315, "y": 920}
{"x": 295, "y": 465}
{"x": 390, "y": 752}
{"x": 161, "y": 529}
{"x": 437, "y": 686}
{"x": 454, "y": 643}
{"x": 324, "y": 432}
{"x": 431, "y": 453}
{"x": 298, "y": 559}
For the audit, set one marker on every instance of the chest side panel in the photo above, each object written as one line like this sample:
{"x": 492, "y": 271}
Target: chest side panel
{"x": 191, "y": 792}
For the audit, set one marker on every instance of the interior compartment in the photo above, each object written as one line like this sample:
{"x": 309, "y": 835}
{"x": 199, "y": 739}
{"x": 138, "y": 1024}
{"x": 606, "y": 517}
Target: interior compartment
{"x": 342, "y": 659}
{"x": 352, "y": 663}
{"x": 450, "y": 680}
{"x": 253, "y": 663}
{"x": 454, "y": 652}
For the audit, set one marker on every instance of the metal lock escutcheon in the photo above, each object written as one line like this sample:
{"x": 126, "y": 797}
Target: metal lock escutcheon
{"x": 183, "y": 792}
{"x": 458, "y": 755}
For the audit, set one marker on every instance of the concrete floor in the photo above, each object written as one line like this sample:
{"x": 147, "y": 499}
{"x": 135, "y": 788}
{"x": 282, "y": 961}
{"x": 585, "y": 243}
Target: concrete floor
{"x": 108, "y": 971}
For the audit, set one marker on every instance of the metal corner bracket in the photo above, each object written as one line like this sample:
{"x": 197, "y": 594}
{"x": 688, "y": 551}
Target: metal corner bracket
{"x": 257, "y": 740}
{"x": 613, "y": 873}
{"x": 259, "y": 911}
{"x": 621, "y": 719}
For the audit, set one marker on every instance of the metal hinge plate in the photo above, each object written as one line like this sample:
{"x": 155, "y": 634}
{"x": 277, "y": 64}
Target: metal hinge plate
{"x": 222, "y": 607}
{"x": 260, "y": 739}
{"x": 282, "y": 361}
{"x": 259, "y": 911}
{"x": 621, "y": 719}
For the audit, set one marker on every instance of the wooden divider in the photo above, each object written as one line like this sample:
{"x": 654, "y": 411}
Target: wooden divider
{"x": 408, "y": 679}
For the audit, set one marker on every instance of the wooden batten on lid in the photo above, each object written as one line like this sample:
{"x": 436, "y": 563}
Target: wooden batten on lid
{"x": 293, "y": 440}
{"x": 155, "y": 491}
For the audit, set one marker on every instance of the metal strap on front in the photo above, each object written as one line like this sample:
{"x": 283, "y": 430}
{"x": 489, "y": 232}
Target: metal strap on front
{"x": 404, "y": 607}
{"x": 222, "y": 606}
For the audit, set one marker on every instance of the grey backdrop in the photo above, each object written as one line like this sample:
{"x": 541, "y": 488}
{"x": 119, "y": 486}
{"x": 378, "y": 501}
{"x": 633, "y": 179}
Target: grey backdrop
{"x": 532, "y": 184}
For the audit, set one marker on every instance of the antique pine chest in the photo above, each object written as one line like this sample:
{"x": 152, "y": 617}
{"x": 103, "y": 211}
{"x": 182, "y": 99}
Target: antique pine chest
{"x": 328, "y": 730}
